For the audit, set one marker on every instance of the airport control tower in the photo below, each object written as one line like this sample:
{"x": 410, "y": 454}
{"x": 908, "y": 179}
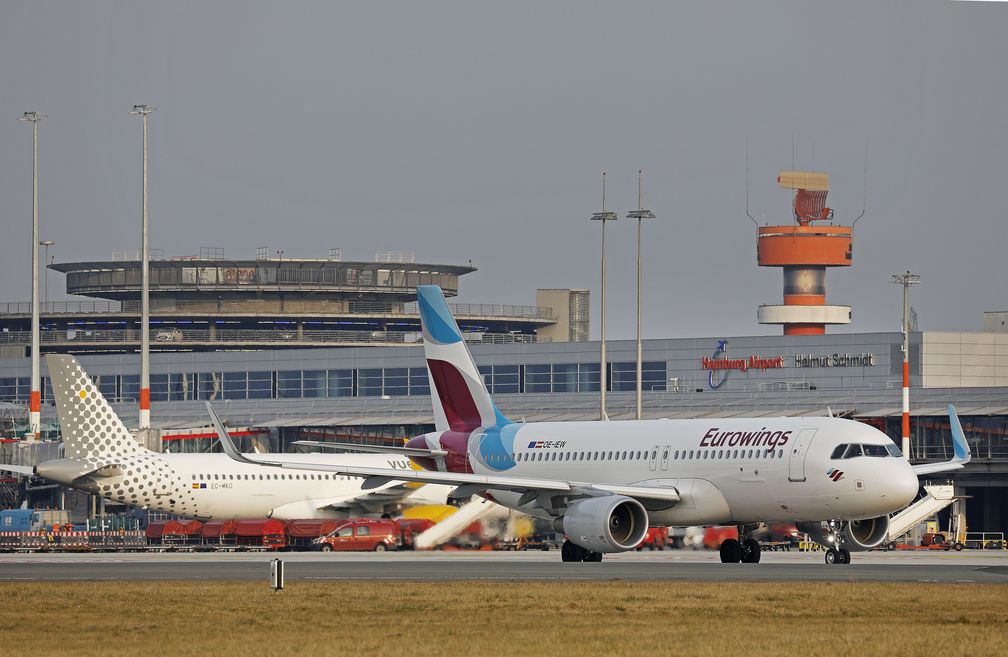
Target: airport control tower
{"x": 805, "y": 250}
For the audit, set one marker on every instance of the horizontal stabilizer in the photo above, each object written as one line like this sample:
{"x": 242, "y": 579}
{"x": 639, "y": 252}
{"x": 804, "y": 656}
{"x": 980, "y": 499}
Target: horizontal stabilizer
{"x": 26, "y": 470}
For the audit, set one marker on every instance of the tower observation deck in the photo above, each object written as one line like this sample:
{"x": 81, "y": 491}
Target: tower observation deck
{"x": 804, "y": 251}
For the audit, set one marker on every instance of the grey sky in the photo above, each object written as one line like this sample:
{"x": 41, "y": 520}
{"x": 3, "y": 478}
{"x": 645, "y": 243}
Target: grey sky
{"x": 478, "y": 131}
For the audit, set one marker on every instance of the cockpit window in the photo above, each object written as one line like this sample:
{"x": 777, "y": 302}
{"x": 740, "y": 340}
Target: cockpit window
{"x": 838, "y": 452}
{"x": 852, "y": 451}
{"x": 875, "y": 450}
{"x": 894, "y": 450}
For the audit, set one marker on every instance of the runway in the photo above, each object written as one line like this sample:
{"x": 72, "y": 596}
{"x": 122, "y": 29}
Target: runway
{"x": 987, "y": 567}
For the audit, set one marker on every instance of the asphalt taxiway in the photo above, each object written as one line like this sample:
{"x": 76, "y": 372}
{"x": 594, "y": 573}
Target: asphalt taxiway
{"x": 969, "y": 566}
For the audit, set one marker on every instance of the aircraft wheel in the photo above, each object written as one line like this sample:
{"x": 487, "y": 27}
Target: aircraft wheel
{"x": 593, "y": 557}
{"x": 844, "y": 556}
{"x": 832, "y": 556}
{"x": 751, "y": 551}
{"x": 731, "y": 551}
{"x": 567, "y": 552}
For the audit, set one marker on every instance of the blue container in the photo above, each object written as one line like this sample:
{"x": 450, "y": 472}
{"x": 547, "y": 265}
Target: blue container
{"x": 17, "y": 520}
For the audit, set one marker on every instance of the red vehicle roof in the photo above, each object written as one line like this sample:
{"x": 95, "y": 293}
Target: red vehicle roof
{"x": 311, "y": 528}
{"x": 259, "y": 527}
{"x": 218, "y": 528}
{"x": 156, "y": 529}
{"x": 182, "y": 527}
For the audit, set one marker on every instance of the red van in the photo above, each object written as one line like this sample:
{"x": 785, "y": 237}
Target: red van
{"x": 361, "y": 536}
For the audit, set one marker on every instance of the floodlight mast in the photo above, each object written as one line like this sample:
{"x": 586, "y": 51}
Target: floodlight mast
{"x": 603, "y": 217}
{"x": 640, "y": 214}
{"x": 143, "y": 111}
{"x": 906, "y": 280}
{"x": 35, "y": 396}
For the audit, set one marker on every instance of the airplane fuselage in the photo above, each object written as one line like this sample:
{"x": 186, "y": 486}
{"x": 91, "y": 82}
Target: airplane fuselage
{"x": 210, "y": 486}
{"x": 726, "y": 470}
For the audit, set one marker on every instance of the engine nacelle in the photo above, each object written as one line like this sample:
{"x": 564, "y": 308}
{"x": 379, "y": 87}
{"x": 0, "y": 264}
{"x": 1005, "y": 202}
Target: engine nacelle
{"x": 856, "y": 535}
{"x": 610, "y": 523}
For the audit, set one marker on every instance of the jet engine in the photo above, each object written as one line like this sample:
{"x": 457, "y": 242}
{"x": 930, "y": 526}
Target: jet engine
{"x": 610, "y": 523}
{"x": 856, "y": 535}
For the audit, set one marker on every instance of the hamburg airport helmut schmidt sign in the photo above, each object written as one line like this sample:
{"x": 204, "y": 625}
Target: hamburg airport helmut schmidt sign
{"x": 720, "y": 364}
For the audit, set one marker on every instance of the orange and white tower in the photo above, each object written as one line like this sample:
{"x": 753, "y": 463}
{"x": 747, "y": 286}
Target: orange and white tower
{"x": 805, "y": 250}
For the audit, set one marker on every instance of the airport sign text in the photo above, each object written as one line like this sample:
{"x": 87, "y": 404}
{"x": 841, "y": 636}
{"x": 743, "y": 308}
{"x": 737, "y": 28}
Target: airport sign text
{"x": 866, "y": 359}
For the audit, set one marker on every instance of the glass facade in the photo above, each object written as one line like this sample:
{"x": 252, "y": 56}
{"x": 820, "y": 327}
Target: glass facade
{"x": 363, "y": 382}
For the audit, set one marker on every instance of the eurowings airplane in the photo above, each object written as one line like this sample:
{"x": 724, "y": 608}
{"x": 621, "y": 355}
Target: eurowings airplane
{"x": 604, "y": 483}
{"x": 102, "y": 458}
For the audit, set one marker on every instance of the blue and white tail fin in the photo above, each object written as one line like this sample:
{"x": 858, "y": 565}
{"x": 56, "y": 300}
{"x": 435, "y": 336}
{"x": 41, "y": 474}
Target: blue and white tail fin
{"x": 959, "y": 446}
{"x": 90, "y": 428}
{"x": 461, "y": 401}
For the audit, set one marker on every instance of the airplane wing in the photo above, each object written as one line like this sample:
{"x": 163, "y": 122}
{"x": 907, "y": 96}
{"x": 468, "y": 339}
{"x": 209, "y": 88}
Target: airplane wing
{"x": 378, "y": 449}
{"x": 959, "y": 446}
{"x": 468, "y": 484}
{"x": 26, "y": 470}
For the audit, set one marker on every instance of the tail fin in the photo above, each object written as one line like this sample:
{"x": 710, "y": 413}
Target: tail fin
{"x": 960, "y": 448}
{"x": 461, "y": 401}
{"x": 90, "y": 428}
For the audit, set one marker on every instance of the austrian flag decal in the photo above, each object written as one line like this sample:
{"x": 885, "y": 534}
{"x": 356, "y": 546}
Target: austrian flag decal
{"x": 834, "y": 474}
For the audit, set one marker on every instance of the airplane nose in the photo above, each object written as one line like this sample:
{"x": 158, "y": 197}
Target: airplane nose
{"x": 906, "y": 486}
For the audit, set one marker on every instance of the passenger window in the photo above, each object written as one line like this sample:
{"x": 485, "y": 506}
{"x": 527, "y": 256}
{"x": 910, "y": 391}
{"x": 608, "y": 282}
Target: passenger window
{"x": 215, "y": 477}
{"x": 675, "y": 456}
{"x": 664, "y": 456}
{"x": 838, "y": 452}
{"x": 363, "y": 531}
{"x": 691, "y": 453}
{"x": 720, "y": 454}
{"x": 344, "y": 532}
{"x": 780, "y": 453}
{"x": 852, "y": 451}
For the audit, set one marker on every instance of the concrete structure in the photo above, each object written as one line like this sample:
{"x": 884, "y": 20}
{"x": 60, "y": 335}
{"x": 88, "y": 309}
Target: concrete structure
{"x": 208, "y": 303}
{"x": 570, "y": 309}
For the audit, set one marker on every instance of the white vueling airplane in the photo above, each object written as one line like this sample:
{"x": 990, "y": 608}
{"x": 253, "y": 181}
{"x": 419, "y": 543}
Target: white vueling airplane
{"x": 604, "y": 483}
{"x": 102, "y": 458}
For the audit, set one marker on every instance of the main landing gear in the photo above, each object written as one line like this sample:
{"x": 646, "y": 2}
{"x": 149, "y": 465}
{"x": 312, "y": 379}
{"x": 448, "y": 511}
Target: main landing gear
{"x": 573, "y": 552}
{"x": 746, "y": 550}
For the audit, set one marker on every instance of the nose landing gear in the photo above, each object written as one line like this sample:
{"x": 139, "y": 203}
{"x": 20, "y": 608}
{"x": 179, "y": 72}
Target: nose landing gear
{"x": 746, "y": 550}
{"x": 837, "y": 555}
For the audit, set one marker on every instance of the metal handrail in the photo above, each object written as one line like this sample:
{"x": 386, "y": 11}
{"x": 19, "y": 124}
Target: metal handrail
{"x": 343, "y": 308}
{"x": 190, "y": 336}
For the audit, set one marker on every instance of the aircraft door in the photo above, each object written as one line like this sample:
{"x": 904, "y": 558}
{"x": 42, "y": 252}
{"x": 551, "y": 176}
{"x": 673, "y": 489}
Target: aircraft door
{"x": 666, "y": 450}
{"x": 654, "y": 458}
{"x": 799, "y": 450}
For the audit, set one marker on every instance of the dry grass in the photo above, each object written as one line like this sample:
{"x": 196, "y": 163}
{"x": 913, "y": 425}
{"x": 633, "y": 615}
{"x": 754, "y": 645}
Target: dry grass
{"x": 507, "y": 618}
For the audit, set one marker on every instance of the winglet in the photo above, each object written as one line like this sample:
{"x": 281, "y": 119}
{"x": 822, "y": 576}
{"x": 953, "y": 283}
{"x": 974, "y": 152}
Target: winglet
{"x": 959, "y": 446}
{"x": 225, "y": 439}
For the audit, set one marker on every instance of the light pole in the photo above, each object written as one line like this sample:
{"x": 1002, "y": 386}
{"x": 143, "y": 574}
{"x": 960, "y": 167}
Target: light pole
{"x": 143, "y": 111}
{"x": 35, "y": 396}
{"x": 46, "y": 244}
{"x": 603, "y": 217}
{"x": 906, "y": 280}
{"x": 640, "y": 214}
